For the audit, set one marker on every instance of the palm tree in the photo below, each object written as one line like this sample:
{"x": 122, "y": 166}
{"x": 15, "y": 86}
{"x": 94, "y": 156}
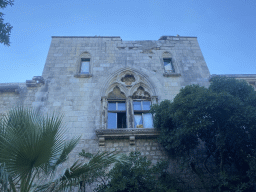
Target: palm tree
{"x": 31, "y": 148}
{"x": 81, "y": 173}
{"x": 30, "y": 145}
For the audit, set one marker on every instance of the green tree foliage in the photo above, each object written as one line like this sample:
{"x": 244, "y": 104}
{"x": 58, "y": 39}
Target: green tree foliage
{"x": 222, "y": 120}
{"x": 31, "y": 149}
{"x": 5, "y": 28}
{"x": 138, "y": 175}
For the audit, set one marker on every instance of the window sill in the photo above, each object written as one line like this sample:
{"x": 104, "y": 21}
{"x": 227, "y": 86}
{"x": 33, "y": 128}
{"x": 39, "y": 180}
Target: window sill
{"x": 171, "y": 74}
{"x": 81, "y": 75}
{"x": 130, "y": 133}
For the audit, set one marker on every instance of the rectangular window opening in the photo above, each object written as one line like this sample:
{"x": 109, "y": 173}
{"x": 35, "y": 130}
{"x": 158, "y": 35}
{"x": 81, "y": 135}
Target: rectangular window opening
{"x": 85, "y": 66}
{"x": 116, "y": 115}
{"x": 168, "y": 66}
{"x": 121, "y": 120}
{"x": 142, "y": 117}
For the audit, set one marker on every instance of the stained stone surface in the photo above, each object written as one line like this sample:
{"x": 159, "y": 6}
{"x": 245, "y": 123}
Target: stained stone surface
{"x": 136, "y": 68}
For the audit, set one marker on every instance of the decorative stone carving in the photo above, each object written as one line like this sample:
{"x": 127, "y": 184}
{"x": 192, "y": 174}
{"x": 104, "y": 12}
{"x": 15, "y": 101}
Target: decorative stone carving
{"x": 101, "y": 141}
{"x": 141, "y": 94}
{"x": 132, "y": 140}
{"x": 128, "y": 79}
{"x": 116, "y": 94}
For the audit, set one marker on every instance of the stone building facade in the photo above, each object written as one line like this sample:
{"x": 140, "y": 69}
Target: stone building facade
{"x": 104, "y": 87}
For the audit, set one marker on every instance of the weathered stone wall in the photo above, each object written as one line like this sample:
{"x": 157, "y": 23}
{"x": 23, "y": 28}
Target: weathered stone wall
{"x": 74, "y": 96}
{"x": 10, "y": 98}
{"x": 82, "y": 98}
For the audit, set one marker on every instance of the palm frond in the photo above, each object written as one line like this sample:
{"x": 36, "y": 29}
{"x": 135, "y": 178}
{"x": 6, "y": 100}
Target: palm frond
{"x": 29, "y": 142}
{"x": 79, "y": 171}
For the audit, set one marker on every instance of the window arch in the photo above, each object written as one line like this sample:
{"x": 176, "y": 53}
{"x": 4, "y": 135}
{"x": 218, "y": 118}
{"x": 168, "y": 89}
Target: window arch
{"x": 141, "y": 101}
{"x": 116, "y": 109}
{"x": 127, "y": 103}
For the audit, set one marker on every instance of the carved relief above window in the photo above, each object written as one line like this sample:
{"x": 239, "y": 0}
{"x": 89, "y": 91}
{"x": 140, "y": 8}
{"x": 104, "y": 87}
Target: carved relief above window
{"x": 84, "y": 66}
{"x": 126, "y": 109}
{"x": 116, "y": 94}
{"x": 128, "y": 79}
{"x": 141, "y": 94}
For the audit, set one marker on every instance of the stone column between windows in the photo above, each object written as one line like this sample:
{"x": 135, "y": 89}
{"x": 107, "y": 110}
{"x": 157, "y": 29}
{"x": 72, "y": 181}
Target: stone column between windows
{"x": 104, "y": 115}
{"x": 154, "y": 100}
{"x": 129, "y": 121}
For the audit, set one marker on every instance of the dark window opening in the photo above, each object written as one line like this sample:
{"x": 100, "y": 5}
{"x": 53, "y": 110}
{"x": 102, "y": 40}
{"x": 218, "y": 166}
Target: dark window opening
{"x": 168, "y": 66}
{"x": 121, "y": 120}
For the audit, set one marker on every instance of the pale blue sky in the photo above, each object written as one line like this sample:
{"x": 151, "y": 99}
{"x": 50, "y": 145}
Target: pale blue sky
{"x": 226, "y": 30}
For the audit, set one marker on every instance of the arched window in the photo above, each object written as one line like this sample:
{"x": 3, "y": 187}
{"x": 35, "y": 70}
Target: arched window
{"x": 126, "y": 100}
{"x": 141, "y": 106}
{"x": 116, "y": 109}
{"x": 127, "y": 103}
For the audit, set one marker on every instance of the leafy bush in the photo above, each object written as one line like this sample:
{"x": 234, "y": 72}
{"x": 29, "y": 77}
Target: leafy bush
{"x": 220, "y": 119}
{"x": 138, "y": 175}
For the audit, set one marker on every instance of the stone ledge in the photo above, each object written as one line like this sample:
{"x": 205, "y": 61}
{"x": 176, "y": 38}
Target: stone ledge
{"x": 80, "y": 75}
{"x": 131, "y": 133}
{"x": 10, "y": 88}
{"x": 171, "y": 74}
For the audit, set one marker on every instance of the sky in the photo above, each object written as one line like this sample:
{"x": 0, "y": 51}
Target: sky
{"x": 226, "y": 30}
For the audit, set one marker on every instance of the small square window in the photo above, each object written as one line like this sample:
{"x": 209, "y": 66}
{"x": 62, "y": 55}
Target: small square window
{"x": 168, "y": 66}
{"x": 85, "y": 66}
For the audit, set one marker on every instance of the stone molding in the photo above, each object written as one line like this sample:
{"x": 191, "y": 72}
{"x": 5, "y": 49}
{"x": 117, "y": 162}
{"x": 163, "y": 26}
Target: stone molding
{"x": 131, "y": 133}
{"x": 171, "y": 74}
{"x": 140, "y": 78}
{"x": 80, "y": 75}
